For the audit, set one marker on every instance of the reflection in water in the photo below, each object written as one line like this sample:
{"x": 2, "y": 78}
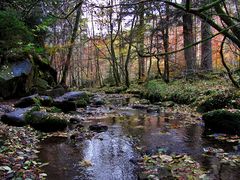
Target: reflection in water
{"x": 110, "y": 152}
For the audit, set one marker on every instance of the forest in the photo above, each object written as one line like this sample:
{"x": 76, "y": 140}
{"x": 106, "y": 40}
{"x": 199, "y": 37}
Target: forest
{"x": 119, "y": 90}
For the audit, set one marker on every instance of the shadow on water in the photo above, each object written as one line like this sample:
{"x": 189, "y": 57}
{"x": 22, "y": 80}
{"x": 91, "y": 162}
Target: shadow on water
{"x": 110, "y": 152}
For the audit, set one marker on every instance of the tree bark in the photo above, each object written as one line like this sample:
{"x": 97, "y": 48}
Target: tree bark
{"x": 189, "y": 53}
{"x": 70, "y": 50}
{"x": 206, "y": 47}
{"x": 141, "y": 62}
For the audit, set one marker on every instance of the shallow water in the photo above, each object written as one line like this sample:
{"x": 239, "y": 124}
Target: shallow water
{"x": 107, "y": 156}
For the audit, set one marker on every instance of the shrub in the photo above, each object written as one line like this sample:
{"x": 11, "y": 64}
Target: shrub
{"x": 13, "y": 32}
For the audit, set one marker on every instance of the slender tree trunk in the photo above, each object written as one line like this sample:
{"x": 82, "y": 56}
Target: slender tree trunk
{"x": 166, "y": 46}
{"x": 141, "y": 62}
{"x": 70, "y": 50}
{"x": 206, "y": 55}
{"x": 189, "y": 53}
{"x": 127, "y": 82}
{"x": 112, "y": 50}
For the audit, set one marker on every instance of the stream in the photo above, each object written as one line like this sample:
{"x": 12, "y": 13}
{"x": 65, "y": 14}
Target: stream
{"x": 111, "y": 155}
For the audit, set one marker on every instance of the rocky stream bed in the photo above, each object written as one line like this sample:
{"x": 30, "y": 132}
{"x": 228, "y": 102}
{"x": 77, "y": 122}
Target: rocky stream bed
{"x": 116, "y": 137}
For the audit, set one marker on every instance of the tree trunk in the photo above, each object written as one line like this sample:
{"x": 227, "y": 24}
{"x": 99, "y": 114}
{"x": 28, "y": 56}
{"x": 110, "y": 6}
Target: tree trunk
{"x": 166, "y": 46}
{"x": 206, "y": 55}
{"x": 127, "y": 82}
{"x": 70, "y": 50}
{"x": 141, "y": 62}
{"x": 112, "y": 49}
{"x": 189, "y": 53}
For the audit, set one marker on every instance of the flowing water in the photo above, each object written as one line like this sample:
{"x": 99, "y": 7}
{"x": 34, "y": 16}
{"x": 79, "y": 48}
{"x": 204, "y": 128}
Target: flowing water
{"x": 109, "y": 155}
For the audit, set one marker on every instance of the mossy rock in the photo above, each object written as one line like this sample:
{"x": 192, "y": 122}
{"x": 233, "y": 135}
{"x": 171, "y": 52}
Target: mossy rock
{"x": 53, "y": 110}
{"x": 115, "y": 90}
{"x": 65, "y": 106}
{"x": 222, "y": 121}
{"x": 34, "y": 100}
{"x": 45, "y": 100}
{"x": 41, "y": 84}
{"x": 98, "y": 101}
{"x": 82, "y": 103}
{"x": 46, "y": 122}
{"x": 27, "y": 101}
{"x": 17, "y": 117}
{"x": 75, "y": 95}
{"x": 71, "y": 100}
{"x": 217, "y": 101}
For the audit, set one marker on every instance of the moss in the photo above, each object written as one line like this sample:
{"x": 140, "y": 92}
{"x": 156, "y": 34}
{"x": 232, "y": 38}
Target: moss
{"x": 46, "y": 122}
{"x": 114, "y": 90}
{"x": 82, "y": 103}
{"x": 185, "y": 91}
{"x": 85, "y": 97}
{"x": 41, "y": 84}
{"x": 134, "y": 89}
{"x": 46, "y": 100}
{"x": 218, "y": 100}
{"x": 222, "y": 121}
{"x": 53, "y": 110}
{"x": 176, "y": 91}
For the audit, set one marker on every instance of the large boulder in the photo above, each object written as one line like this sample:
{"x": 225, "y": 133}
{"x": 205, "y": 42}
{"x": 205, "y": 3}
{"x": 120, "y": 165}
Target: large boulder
{"x": 55, "y": 92}
{"x": 45, "y": 100}
{"x": 222, "y": 121}
{"x": 25, "y": 76}
{"x": 34, "y": 100}
{"x": 46, "y": 122}
{"x": 65, "y": 105}
{"x": 16, "y": 79}
{"x": 71, "y": 100}
{"x": 98, "y": 101}
{"x": 74, "y": 96}
{"x": 17, "y": 117}
{"x": 27, "y": 101}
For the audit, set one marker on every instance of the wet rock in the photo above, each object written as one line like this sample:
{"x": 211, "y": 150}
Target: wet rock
{"x": 139, "y": 106}
{"x": 98, "y": 128}
{"x": 15, "y": 79}
{"x": 56, "y": 92}
{"x": 70, "y": 100}
{"x": 152, "y": 109}
{"x": 34, "y": 100}
{"x": 98, "y": 101}
{"x": 45, "y": 100}
{"x": 79, "y": 126}
{"x": 223, "y": 121}
{"x": 27, "y": 101}
{"x": 46, "y": 122}
{"x": 75, "y": 120}
{"x": 74, "y": 95}
{"x": 65, "y": 105}
{"x": 16, "y": 118}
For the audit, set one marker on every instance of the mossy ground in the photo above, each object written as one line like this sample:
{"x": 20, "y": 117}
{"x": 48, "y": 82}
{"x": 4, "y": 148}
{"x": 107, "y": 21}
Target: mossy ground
{"x": 204, "y": 92}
